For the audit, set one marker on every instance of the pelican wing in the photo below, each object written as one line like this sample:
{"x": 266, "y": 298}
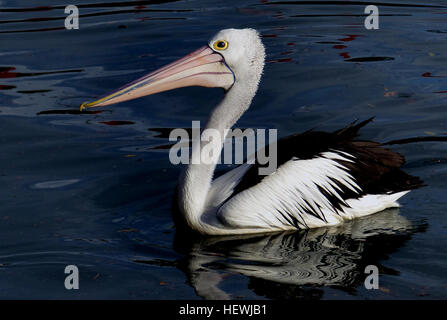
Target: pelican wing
{"x": 322, "y": 179}
{"x": 224, "y": 186}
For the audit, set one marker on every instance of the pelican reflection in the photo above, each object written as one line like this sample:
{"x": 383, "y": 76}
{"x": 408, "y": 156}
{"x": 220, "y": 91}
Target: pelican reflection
{"x": 295, "y": 264}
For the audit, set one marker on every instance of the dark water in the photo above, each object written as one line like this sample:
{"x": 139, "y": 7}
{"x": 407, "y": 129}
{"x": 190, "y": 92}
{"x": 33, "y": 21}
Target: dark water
{"x": 94, "y": 189}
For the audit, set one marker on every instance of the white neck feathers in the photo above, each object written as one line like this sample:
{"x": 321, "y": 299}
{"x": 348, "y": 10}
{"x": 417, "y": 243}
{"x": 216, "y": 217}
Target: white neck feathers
{"x": 196, "y": 179}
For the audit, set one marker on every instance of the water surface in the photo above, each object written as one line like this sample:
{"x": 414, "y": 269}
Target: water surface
{"x": 94, "y": 189}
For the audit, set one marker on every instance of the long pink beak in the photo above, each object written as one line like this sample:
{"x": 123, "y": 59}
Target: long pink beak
{"x": 203, "y": 67}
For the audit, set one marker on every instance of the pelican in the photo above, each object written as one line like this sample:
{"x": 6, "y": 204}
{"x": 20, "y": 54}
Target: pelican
{"x": 322, "y": 179}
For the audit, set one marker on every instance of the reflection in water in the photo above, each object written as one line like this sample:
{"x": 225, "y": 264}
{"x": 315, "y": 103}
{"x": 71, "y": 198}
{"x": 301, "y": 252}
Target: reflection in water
{"x": 369, "y": 59}
{"x": 9, "y": 72}
{"x": 294, "y": 265}
{"x": 136, "y": 7}
{"x": 71, "y": 111}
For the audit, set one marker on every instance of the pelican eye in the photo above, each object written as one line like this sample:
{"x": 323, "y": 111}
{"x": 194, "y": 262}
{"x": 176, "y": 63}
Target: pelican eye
{"x": 220, "y": 45}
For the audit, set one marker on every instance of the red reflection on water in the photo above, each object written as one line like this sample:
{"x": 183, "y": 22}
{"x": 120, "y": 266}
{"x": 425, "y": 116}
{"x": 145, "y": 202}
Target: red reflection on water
{"x": 5, "y": 73}
{"x": 253, "y": 11}
{"x": 117, "y": 122}
{"x": 291, "y": 44}
{"x": 40, "y": 8}
{"x": 268, "y": 36}
{"x": 440, "y": 91}
{"x": 5, "y": 87}
{"x": 279, "y": 60}
{"x": 429, "y": 75}
{"x": 350, "y": 37}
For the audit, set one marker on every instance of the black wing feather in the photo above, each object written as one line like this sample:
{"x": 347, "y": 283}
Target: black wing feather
{"x": 376, "y": 169}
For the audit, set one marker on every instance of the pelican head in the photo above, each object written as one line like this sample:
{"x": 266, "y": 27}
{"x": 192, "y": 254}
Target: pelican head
{"x": 231, "y": 56}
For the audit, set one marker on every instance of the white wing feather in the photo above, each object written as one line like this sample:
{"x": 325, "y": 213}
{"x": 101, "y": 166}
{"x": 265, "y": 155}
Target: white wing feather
{"x": 291, "y": 198}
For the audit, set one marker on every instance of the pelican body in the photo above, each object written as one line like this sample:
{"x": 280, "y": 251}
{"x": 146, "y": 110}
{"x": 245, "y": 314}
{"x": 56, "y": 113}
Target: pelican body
{"x": 322, "y": 178}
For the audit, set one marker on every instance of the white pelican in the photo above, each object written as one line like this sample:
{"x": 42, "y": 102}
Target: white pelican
{"x": 322, "y": 178}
